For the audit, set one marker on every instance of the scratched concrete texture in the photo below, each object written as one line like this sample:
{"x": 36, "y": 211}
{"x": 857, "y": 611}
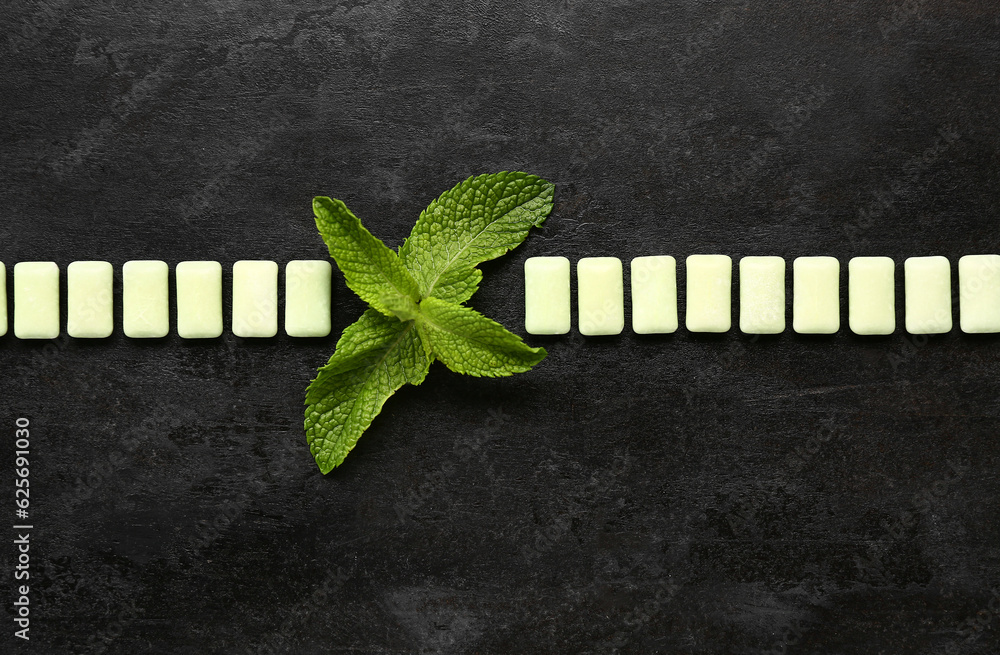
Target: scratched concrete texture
{"x": 633, "y": 494}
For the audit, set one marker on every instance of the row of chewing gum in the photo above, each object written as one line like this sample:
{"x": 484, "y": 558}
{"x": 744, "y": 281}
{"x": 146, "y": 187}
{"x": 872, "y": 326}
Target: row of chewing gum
{"x": 762, "y": 302}
{"x": 146, "y": 299}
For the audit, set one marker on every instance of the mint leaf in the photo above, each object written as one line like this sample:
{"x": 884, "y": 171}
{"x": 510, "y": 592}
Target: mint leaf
{"x": 374, "y": 357}
{"x": 371, "y": 269}
{"x": 478, "y": 220}
{"x": 401, "y": 307}
{"x": 416, "y": 313}
{"x": 467, "y": 342}
{"x": 458, "y": 284}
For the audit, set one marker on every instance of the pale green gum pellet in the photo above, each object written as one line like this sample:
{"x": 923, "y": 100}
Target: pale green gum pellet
{"x": 762, "y": 295}
{"x": 654, "y": 294}
{"x": 979, "y": 293}
{"x": 307, "y": 298}
{"x": 816, "y": 295}
{"x": 199, "y": 299}
{"x": 36, "y": 300}
{"x": 546, "y": 295}
{"x": 709, "y": 293}
{"x": 927, "y": 287}
{"x": 3, "y": 299}
{"x": 600, "y": 296}
{"x": 255, "y": 299}
{"x": 871, "y": 295}
{"x": 145, "y": 299}
{"x": 89, "y": 300}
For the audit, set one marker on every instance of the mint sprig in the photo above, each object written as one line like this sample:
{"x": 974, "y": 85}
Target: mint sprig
{"x": 416, "y": 297}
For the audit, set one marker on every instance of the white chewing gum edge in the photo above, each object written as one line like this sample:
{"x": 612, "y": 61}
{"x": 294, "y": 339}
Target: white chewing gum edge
{"x": 255, "y": 299}
{"x": 547, "y": 295}
{"x": 762, "y": 295}
{"x": 3, "y": 299}
{"x": 928, "y": 295}
{"x": 307, "y": 298}
{"x": 600, "y": 296}
{"x": 199, "y": 299}
{"x": 89, "y": 300}
{"x": 654, "y": 294}
{"x": 709, "y": 293}
{"x": 871, "y": 294}
{"x": 816, "y": 295}
{"x": 36, "y": 300}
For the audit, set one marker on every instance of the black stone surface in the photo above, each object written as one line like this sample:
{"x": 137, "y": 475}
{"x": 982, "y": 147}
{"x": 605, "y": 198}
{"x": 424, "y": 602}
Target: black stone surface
{"x": 675, "y": 494}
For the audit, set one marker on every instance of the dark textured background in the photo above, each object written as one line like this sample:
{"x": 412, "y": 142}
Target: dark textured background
{"x": 677, "y": 494}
